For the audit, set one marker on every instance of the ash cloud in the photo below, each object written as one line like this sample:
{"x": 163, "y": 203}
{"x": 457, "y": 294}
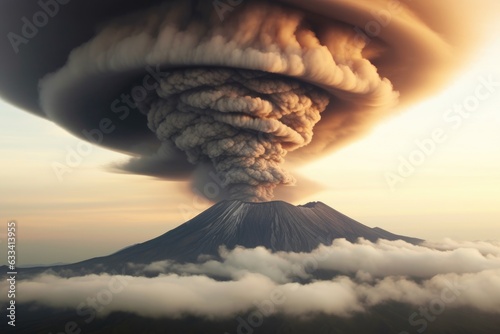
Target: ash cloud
{"x": 243, "y": 122}
{"x": 367, "y": 54}
{"x": 469, "y": 276}
{"x": 276, "y": 71}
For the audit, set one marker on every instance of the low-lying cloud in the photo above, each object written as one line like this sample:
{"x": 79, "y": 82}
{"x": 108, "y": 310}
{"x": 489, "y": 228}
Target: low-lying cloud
{"x": 378, "y": 260}
{"x": 460, "y": 274}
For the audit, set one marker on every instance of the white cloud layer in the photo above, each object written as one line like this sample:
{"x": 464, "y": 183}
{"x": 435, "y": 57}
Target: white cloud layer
{"x": 447, "y": 274}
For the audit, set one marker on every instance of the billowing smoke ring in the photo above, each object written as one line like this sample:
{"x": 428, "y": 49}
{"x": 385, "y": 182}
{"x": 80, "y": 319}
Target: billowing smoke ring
{"x": 324, "y": 43}
{"x": 414, "y": 44}
{"x": 100, "y": 69}
{"x": 244, "y": 122}
{"x": 263, "y": 112}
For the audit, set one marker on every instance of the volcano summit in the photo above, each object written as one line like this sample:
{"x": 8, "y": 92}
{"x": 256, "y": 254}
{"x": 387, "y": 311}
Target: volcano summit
{"x": 277, "y": 226}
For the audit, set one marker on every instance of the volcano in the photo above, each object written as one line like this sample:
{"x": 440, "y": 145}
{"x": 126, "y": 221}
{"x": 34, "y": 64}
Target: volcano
{"x": 277, "y": 226}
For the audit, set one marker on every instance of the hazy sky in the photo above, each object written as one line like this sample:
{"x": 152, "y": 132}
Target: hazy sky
{"x": 454, "y": 192}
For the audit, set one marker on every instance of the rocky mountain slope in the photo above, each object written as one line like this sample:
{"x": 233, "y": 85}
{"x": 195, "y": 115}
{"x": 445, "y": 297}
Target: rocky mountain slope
{"x": 278, "y": 226}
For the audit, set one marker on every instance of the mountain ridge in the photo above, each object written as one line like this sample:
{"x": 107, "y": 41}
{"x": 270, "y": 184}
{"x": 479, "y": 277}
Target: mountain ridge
{"x": 276, "y": 225}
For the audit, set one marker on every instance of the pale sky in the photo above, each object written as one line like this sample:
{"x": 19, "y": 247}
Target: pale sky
{"x": 454, "y": 192}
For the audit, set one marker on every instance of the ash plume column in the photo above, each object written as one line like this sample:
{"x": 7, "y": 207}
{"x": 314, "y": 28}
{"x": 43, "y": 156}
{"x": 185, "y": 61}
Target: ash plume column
{"x": 238, "y": 95}
{"x": 244, "y": 122}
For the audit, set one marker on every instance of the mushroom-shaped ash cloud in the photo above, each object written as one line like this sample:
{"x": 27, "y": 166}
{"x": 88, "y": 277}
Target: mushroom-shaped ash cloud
{"x": 183, "y": 85}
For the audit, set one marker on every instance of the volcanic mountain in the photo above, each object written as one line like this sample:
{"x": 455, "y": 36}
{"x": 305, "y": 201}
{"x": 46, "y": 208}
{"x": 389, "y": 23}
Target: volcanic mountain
{"x": 277, "y": 226}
